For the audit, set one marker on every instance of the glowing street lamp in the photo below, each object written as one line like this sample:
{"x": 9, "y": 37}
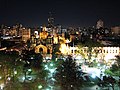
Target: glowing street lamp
{"x": 46, "y": 67}
{"x": 51, "y": 64}
{"x": 1, "y": 86}
{"x": 47, "y": 89}
{"x": 93, "y": 76}
{"x": 40, "y": 86}
{"x": 15, "y": 72}
{"x": 52, "y": 71}
{"x": 29, "y": 70}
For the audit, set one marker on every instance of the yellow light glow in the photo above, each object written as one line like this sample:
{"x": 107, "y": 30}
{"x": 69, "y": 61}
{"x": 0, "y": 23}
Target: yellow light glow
{"x": 63, "y": 49}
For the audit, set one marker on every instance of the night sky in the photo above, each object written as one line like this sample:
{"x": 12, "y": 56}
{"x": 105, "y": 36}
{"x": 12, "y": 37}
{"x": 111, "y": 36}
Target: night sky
{"x": 83, "y": 13}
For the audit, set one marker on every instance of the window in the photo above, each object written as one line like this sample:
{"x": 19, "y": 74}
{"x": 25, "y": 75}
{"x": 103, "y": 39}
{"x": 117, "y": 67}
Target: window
{"x": 41, "y": 50}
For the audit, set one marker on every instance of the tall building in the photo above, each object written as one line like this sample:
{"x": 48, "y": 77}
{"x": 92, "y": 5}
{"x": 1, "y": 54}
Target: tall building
{"x": 115, "y": 30}
{"x": 100, "y": 24}
{"x": 26, "y": 33}
{"x": 50, "y": 20}
{"x": 19, "y": 29}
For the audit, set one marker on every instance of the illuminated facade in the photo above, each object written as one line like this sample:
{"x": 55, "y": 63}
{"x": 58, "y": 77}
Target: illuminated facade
{"x": 41, "y": 49}
{"x": 55, "y": 39}
{"x": 115, "y": 30}
{"x": 49, "y": 38}
{"x": 99, "y": 53}
{"x": 26, "y": 34}
{"x": 100, "y": 24}
{"x": 44, "y": 33}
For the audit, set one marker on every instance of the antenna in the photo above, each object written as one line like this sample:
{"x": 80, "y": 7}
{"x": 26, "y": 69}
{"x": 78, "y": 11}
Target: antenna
{"x": 50, "y": 20}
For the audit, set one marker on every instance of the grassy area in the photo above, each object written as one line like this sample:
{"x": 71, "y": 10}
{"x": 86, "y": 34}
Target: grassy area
{"x": 115, "y": 73}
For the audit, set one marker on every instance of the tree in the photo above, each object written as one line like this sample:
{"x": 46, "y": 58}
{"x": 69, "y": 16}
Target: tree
{"x": 115, "y": 69}
{"x": 34, "y": 67}
{"x": 91, "y": 44}
{"x": 38, "y": 68}
{"x": 55, "y": 51}
{"x": 68, "y": 75}
{"x": 10, "y": 69}
{"x": 79, "y": 51}
{"x": 118, "y": 61}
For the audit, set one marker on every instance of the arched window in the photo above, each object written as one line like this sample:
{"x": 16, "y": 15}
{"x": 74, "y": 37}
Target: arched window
{"x": 41, "y": 50}
{"x": 48, "y": 51}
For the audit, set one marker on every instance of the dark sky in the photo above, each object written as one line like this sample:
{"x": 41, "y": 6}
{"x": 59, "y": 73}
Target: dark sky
{"x": 74, "y": 13}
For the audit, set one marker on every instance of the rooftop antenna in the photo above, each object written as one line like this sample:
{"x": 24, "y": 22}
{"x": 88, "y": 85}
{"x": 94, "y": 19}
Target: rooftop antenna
{"x": 50, "y": 20}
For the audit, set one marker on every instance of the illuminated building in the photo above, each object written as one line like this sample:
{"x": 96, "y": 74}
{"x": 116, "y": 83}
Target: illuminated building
{"x": 26, "y": 34}
{"x": 43, "y": 34}
{"x": 36, "y": 34}
{"x": 55, "y": 39}
{"x": 98, "y": 53}
{"x": 115, "y": 30}
{"x": 46, "y": 42}
{"x": 65, "y": 48}
{"x": 13, "y": 31}
{"x": 100, "y": 24}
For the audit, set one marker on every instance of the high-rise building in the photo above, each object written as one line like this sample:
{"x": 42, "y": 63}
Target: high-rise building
{"x": 100, "y": 24}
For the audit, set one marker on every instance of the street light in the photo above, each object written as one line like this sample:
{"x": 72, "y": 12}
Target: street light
{"x": 40, "y": 86}
{"x": 51, "y": 64}
{"x": 1, "y": 86}
{"x": 46, "y": 67}
{"x": 15, "y": 72}
{"x": 29, "y": 70}
{"x": 47, "y": 89}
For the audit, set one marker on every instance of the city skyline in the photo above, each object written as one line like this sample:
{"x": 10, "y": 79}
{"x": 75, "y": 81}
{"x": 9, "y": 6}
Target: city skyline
{"x": 66, "y": 13}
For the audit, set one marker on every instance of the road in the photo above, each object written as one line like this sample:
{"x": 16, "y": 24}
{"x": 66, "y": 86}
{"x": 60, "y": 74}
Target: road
{"x": 96, "y": 87}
